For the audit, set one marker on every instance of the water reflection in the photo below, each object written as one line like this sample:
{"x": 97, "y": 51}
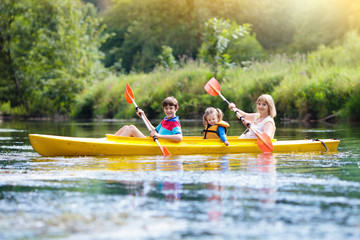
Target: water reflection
{"x": 169, "y": 176}
{"x": 266, "y": 163}
{"x": 233, "y": 196}
{"x": 222, "y": 163}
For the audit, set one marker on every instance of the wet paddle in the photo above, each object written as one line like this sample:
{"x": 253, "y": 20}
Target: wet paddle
{"x": 129, "y": 96}
{"x": 263, "y": 140}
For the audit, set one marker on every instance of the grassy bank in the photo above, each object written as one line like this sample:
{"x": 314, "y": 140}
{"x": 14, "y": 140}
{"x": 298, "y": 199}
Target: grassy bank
{"x": 304, "y": 86}
{"x": 308, "y": 86}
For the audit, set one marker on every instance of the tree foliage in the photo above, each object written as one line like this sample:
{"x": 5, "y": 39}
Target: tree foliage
{"x": 141, "y": 27}
{"x": 166, "y": 58}
{"x": 222, "y": 40}
{"x": 48, "y": 52}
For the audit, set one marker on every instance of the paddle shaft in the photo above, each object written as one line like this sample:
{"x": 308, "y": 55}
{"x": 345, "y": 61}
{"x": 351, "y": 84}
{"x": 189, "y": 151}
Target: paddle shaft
{"x": 147, "y": 124}
{"x": 258, "y": 135}
{"x": 252, "y": 129}
{"x": 228, "y": 103}
{"x": 130, "y": 99}
{"x": 243, "y": 119}
{"x": 263, "y": 140}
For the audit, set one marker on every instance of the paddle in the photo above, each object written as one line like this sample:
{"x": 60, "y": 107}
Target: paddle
{"x": 129, "y": 96}
{"x": 263, "y": 140}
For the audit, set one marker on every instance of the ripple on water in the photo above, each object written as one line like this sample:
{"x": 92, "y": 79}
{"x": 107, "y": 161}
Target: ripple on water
{"x": 183, "y": 197}
{"x": 7, "y": 130}
{"x": 17, "y": 147}
{"x": 6, "y": 138}
{"x": 318, "y": 130}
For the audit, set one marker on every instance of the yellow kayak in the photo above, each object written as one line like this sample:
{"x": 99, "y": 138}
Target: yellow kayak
{"x": 111, "y": 145}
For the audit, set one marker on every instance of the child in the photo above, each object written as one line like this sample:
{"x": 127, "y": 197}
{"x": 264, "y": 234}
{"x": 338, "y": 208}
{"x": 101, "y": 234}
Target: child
{"x": 215, "y": 127}
{"x": 262, "y": 120}
{"x": 169, "y": 127}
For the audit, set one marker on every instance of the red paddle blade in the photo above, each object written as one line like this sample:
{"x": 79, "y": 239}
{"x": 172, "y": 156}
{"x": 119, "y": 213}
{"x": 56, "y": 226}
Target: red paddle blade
{"x": 165, "y": 151}
{"x": 264, "y": 142}
{"x": 213, "y": 87}
{"x": 129, "y": 96}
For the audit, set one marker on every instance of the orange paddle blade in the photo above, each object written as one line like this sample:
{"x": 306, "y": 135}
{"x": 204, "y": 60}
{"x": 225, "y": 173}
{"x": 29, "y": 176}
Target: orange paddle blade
{"x": 264, "y": 142}
{"x": 129, "y": 96}
{"x": 165, "y": 151}
{"x": 213, "y": 87}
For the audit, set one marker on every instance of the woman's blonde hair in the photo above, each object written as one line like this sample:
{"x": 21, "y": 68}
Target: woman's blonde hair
{"x": 212, "y": 110}
{"x": 266, "y": 98}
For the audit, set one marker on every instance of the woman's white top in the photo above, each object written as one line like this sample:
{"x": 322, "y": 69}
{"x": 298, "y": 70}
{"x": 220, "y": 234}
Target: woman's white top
{"x": 259, "y": 126}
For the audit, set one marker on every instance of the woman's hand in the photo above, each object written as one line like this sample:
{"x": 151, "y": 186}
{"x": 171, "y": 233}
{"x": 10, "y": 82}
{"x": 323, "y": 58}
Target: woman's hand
{"x": 226, "y": 143}
{"x": 246, "y": 123}
{"x": 232, "y": 106}
{"x": 140, "y": 112}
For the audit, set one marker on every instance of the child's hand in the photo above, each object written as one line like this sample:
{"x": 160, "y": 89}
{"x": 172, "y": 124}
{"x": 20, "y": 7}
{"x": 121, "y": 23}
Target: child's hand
{"x": 226, "y": 143}
{"x": 154, "y": 134}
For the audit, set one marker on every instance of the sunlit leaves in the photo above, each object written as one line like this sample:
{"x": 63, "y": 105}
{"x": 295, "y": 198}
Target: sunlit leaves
{"x": 216, "y": 38}
{"x": 52, "y": 52}
{"x": 166, "y": 57}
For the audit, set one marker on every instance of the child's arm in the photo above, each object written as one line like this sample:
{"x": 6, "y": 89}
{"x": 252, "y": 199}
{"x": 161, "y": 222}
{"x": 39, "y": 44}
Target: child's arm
{"x": 175, "y": 137}
{"x": 140, "y": 111}
{"x": 221, "y": 133}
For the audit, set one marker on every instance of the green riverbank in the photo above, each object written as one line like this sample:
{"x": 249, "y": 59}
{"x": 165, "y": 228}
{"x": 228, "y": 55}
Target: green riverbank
{"x": 323, "y": 85}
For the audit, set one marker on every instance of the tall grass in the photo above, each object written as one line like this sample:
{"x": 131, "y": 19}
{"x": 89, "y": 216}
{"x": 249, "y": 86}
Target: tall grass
{"x": 106, "y": 98}
{"x": 305, "y": 86}
{"x": 6, "y": 109}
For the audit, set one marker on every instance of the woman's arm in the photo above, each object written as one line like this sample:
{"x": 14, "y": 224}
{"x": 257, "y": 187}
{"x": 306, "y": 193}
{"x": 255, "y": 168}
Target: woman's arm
{"x": 247, "y": 116}
{"x": 269, "y": 129}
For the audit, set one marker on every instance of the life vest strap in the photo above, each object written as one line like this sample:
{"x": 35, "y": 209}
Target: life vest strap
{"x": 206, "y": 131}
{"x": 222, "y": 124}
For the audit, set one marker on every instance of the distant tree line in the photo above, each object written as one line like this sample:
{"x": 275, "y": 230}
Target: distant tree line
{"x": 51, "y": 51}
{"x": 141, "y": 27}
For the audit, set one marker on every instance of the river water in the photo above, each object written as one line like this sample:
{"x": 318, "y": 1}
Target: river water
{"x": 234, "y": 196}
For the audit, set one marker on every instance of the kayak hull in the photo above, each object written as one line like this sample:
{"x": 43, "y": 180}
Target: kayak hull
{"x": 111, "y": 145}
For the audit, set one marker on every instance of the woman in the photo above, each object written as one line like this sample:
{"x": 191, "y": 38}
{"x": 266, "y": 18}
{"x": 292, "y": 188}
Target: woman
{"x": 262, "y": 120}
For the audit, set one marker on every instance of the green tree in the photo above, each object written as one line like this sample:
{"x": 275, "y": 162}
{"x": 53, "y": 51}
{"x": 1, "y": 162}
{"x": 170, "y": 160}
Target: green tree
{"x": 9, "y": 77}
{"x": 141, "y": 27}
{"x": 216, "y": 39}
{"x": 50, "y": 51}
{"x": 245, "y": 49}
{"x": 166, "y": 58}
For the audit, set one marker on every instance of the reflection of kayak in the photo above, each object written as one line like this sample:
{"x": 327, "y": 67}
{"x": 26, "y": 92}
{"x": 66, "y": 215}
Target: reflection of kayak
{"x": 49, "y": 145}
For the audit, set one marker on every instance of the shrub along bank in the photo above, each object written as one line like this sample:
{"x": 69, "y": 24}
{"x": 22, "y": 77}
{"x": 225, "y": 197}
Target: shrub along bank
{"x": 322, "y": 83}
{"x": 309, "y": 86}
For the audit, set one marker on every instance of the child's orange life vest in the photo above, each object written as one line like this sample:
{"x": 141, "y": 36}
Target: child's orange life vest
{"x": 211, "y": 131}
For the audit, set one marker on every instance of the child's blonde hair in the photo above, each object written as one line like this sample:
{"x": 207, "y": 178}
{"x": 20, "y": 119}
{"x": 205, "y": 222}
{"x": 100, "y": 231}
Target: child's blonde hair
{"x": 267, "y": 99}
{"x": 170, "y": 101}
{"x": 212, "y": 110}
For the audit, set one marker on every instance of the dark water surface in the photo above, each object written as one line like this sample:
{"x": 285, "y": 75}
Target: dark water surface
{"x": 234, "y": 196}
